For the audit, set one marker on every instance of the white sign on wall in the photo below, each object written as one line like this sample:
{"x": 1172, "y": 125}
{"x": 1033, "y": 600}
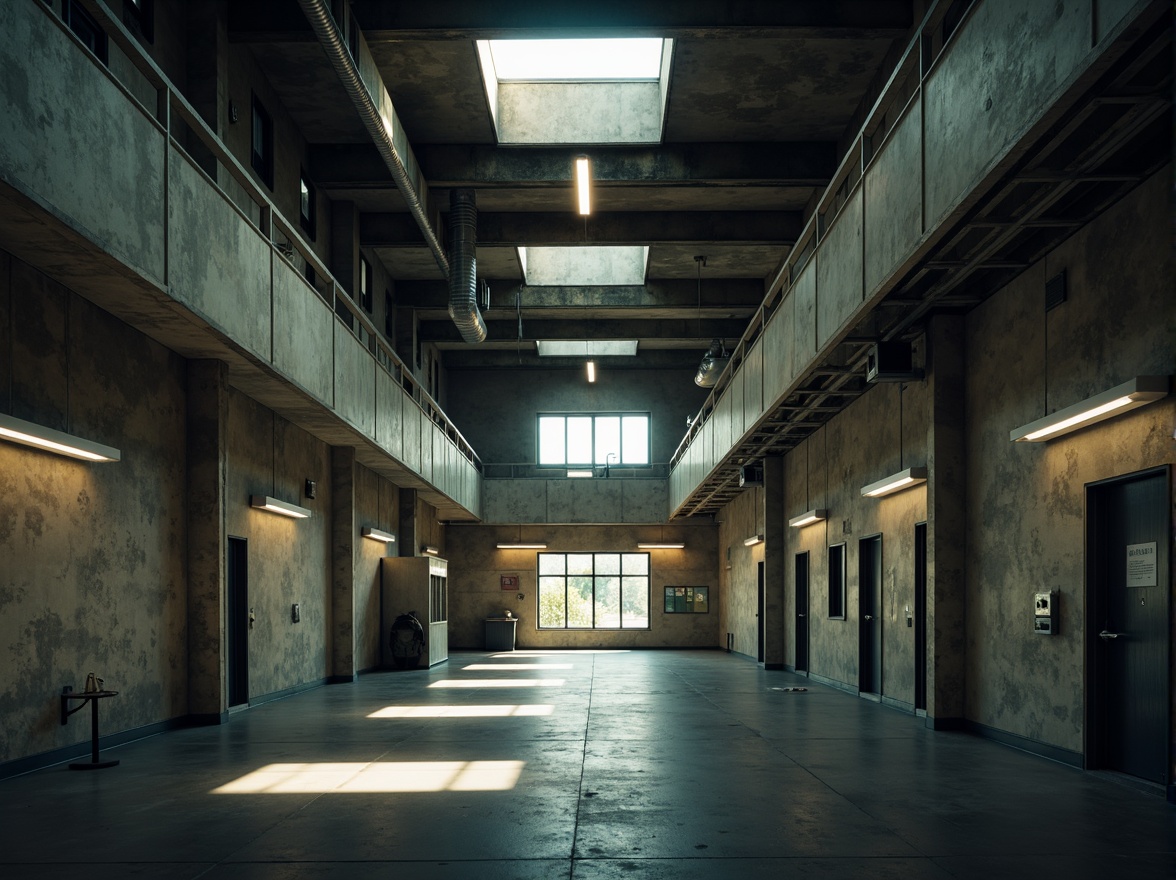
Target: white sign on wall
{"x": 1141, "y": 565}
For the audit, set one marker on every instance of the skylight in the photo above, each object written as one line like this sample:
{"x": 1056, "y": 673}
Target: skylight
{"x": 579, "y": 60}
{"x": 586, "y": 347}
{"x": 607, "y": 266}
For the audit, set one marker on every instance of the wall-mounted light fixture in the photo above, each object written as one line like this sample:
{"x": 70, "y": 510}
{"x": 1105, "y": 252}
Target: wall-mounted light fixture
{"x": 591, "y": 371}
{"x": 753, "y": 540}
{"x": 430, "y": 550}
{"x": 580, "y": 474}
{"x": 661, "y": 545}
{"x": 49, "y": 440}
{"x": 1140, "y": 391}
{"x": 276, "y": 505}
{"x": 521, "y": 545}
{"x": 904, "y": 479}
{"x": 808, "y": 518}
{"x": 378, "y": 535}
{"x": 583, "y": 178}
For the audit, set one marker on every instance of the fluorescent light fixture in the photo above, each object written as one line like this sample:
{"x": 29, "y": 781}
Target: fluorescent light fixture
{"x": 275, "y": 505}
{"x": 583, "y": 176}
{"x": 753, "y": 540}
{"x": 378, "y": 535}
{"x": 580, "y": 475}
{"x": 661, "y": 545}
{"x": 591, "y": 371}
{"x": 1140, "y": 391}
{"x": 586, "y": 348}
{"x": 896, "y": 482}
{"x": 430, "y": 550}
{"x": 808, "y": 518}
{"x": 521, "y": 545}
{"x": 48, "y": 440}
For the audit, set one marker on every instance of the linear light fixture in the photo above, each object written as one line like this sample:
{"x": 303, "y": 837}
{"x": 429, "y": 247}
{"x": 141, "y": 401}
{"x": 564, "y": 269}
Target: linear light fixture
{"x": 661, "y": 545}
{"x": 276, "y": 505}
{"x": 808, "y": 518}
{"x": 378, "y": 535}
{"x": 753, "y": 540}
{"x": 583, "y": 175}
{"x": 580, "y": 474}
{"x": 521, "y": 545}
{"x": 591, "y": 371}
{"x": 49, "y": 440}
{"x": 896, "y": 482}
{"x": 1140, "y": 391}
{"x": 430, "y": 550}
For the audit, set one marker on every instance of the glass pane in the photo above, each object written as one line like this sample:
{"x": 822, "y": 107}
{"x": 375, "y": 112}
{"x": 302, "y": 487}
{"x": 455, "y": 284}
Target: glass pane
{"x": 580, "y": 601}
{"x": 579, "y": 563}
{"x": 702, "y": 599}
{"x": 552, "y": 563}
{"x": 551, "y": 440}
{"x": 304, "y": 199}
{"x": 635, "y": 563}
{"x": 579, "y": 440}
{"x": 608, "y": 440}
{"x": 670, "y": 600}
{"x": 636, "y": 440}
{"x": 608, "y": 563}
{"x": 552, "y": 603}
{"x": 635, "y": 603}
{"x": 608, "y": 602}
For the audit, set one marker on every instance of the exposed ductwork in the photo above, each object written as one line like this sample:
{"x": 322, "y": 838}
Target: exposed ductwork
{"x": 713, "y": 363}
{"x": 463, "y": 266}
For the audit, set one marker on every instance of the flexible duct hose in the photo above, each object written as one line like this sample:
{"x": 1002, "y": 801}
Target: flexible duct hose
{"x": 463, "y": 267}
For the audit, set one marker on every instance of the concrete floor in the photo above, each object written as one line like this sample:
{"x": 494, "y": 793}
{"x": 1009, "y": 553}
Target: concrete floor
{"x": 666, "y": 764}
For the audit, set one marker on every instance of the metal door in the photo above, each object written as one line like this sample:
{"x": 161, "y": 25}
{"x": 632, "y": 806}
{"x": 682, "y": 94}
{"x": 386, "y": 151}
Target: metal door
{"x": 920, "y": 616}
{"x": 870, "y": 608}
{"x": 237, "y": 620}
{"x": 802, "y": 608}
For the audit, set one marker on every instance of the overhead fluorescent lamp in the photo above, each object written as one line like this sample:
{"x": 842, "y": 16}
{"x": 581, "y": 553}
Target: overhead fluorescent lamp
{"x": 753, "y": 540}
{"x": 275, "y": 505}
{"x": 430, "y": 550}
{"x": 586, "y": 348}
{"x": 583, "y": 474}
{"x": 591, "y": 371}
{"x": 1140, "y": 391}
{"x": 661, "y": 545}
{"x": 378, "y": 535}
{"x": 40, "y": 437}
{"x": 583, "y": 176}
{"x": 521, "y": 545}
{"x": 896, "y": 482}
{"x": 808, "y": 518}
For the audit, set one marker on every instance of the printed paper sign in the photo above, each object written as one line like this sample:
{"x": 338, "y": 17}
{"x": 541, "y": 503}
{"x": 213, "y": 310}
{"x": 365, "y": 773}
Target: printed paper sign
{"x": 1141, "y": 565}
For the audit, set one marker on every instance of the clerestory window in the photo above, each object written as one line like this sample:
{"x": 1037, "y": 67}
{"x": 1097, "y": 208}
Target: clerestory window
{"x": 594, "y": 439}
{"x": 593, "y": 591}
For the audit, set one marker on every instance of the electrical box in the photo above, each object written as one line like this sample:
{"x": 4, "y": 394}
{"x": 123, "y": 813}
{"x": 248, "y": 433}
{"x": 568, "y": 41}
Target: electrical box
{"x": 891, "y": 362}
{"x": 1045, "y": 613}
{"x": 751, "y": 475}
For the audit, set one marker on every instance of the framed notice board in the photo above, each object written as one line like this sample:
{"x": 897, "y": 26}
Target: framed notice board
{"x": 687, "y": 600}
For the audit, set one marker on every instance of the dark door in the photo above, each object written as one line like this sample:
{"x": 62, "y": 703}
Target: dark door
{"x": 802, "y": 600}
{"x": 920, "y": 616}
{"x": 237, "y": 620}
{"x": 760, "y": 615}
{"x": 870, "y": 607}
{"x": 1129, "y": 629}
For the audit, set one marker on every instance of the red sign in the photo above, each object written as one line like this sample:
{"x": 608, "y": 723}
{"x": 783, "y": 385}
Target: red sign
{"x": 509, "y": 582}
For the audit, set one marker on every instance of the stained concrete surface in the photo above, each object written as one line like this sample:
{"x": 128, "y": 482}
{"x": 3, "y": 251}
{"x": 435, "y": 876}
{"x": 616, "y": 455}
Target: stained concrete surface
{"x": 682, "y": 764}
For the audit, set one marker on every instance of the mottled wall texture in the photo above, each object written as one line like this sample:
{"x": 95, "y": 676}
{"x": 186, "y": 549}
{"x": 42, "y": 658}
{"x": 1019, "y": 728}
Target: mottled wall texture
{"x": 92, "y": 556}
{"x": 1026, "y": 502}
{"x": 738, "y": 571}
{"x": 377, "y": 505}
{"x": 476, "y": 567}
{"x": 289, "y": 559}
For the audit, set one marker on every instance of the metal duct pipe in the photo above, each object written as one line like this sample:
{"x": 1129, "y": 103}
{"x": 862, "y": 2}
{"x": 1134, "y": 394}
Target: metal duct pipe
{"x": 328, "y": 35}
{"x": 712, "y": 366}
{"x": 463, "y": 267}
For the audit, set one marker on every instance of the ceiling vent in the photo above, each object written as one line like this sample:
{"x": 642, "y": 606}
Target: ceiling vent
{"x": 751, "y": 475}
{"x": 891, "y": 362}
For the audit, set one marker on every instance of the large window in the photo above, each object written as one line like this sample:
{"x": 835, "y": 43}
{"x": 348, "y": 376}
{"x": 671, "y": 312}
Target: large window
{"x": 593, "y": 439}
{"x": 594, "y": 591}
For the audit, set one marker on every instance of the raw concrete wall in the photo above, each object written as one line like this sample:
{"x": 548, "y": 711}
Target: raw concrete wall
{"x": 92, "y": 556}
{"x": 739, "y": 593}
{"x": 376, "y": 504}
{"x": 475, "y": 589}
{"x": 1026, "y": 501}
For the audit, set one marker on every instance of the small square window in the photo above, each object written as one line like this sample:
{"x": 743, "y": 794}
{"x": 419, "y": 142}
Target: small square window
{"x": 306, "y": 205}
{"x": 262, "y": 147}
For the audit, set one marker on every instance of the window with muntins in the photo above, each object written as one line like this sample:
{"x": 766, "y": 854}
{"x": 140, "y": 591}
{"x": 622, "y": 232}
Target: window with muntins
{"x": 593, "y": 439}
{"x": 594, "y": 590}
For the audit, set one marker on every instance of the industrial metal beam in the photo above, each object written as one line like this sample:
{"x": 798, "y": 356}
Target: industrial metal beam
{"x": 684, "y": 330}
{"x": 718, "y": 297}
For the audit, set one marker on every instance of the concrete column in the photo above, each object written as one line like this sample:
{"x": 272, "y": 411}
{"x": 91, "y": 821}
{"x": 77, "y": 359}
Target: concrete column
{"x": 343, "y": 538}
{"x": 408, "y": 541}
{"x": 207, "y": 415}
{"x": 946, "y": 523}
{"x": 775, "y": 550}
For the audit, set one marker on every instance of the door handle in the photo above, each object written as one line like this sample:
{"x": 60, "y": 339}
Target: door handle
{"x": 800, "y": 615}
{"x": 867, "y": 617}
{"x": 1107, "y": 636}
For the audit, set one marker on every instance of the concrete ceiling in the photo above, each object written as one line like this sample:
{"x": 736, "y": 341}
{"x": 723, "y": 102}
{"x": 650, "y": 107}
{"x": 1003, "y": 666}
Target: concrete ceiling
{"x": 761, "y": 97}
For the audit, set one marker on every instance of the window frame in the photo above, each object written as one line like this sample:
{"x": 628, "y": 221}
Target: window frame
{"x": 366, "y": 296}
{"x": 307, "y": 219}
{"x": 648, "y": 578}
{"x": 837, "y": 589}
{"x": 86, "y": 28}
{"x": 261, "y": 156}
{"x": 618, "y": 414}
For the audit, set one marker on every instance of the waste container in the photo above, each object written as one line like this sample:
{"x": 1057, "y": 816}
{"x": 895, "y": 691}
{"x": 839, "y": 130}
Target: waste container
{"x": 500, "y": 633}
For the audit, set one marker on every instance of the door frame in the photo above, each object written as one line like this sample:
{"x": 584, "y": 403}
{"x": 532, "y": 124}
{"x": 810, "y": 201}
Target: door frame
{"x": 876, "y": 657}
{"x": 1095, "y": 736}
{"x": 236, "y": 621}
{"x": 761, "y": 614}
{"x": 801, "y": 615}
{"x": 920, "y": 618}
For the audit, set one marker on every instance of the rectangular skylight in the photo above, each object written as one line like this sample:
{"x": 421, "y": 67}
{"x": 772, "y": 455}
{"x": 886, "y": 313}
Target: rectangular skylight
{"x": 577, "y": 60}
{"x": 586, "y": 348}
{"x": 589, "y": 266}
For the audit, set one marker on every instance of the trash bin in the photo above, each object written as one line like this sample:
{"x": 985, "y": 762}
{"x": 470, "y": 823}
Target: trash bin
{"x": 500, "y": 633}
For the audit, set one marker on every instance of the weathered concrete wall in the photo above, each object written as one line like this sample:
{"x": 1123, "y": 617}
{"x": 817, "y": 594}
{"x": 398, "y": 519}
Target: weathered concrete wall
{"x": 1026, "y": 501}
{"x": 92, "y": 556}
{"x": 376, "y": 504}
{"x": 574, "y": 501}
{"x": 475, "y": 593}
{"x": 739, "y": 603}
{"x": 289, "y": 560}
